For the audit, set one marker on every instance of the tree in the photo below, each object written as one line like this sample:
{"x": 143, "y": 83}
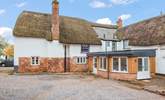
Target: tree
{"x": 3, "y": 44}
{"x": 8, "y": 51}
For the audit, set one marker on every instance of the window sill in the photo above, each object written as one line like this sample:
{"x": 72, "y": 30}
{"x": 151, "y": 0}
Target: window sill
{"x": 120, "y": 71}
{"x": 105, "y": 70}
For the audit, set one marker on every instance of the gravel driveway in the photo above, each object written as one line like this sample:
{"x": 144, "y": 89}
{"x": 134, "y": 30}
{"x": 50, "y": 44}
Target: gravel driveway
{"x": 67, "y": 87}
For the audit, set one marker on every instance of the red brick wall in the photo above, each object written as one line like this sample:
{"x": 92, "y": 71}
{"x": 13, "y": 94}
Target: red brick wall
{"x": 122, "y": 76}
{"x": 54, "y": 65}
{"x": 77, "y": 67}
{"x": 46, "y": 65}
{"x": 103, "y": 74}
{"x": 118, "y": 76}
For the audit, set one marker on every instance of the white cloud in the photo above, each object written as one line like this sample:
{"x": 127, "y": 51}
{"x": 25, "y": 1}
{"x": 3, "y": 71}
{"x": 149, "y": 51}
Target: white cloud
{"x": 125, "y": 16}
{"x": 122, "y": 2}
{"x": 22, "y": 4}
{"x": 2, "y": 11}
{"x": 6, "y": 32}
{"x": 104, "y": 21}
{"x": 99, "y": 4}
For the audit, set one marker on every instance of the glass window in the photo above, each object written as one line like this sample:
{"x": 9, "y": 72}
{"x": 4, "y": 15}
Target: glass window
{"x": 125, "y": 44}
{"x": 140, "y": 64}
{"x": 81, "y": 60}
{"x": 84, "y": 48}
{"x": 116, "y": 64}
{"x": 145, "y": 64}
{"x": 95, "y": 62}
{"x": 103, "y": 63}
{"x": 114, "y": 46}
{"x": 108, "y": 43}
{"x": 120, "y": 64}
{"x": 35, "y": 61}
{"x": 123, "y": 64}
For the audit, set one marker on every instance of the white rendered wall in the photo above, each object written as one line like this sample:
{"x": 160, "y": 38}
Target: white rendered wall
{"x": 27, "y": 47}
{"x": 55, "y": 49}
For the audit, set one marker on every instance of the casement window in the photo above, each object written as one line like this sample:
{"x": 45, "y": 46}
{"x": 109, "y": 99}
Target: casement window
{"x": 84, "y": 48}
{"x": 107, "y": 43}
{"x": 125, "y": 44}
{"x": 103, "y": 63}
{"x": 81, "y": 60}
{"x": 35, "y": 61}
{"x": 120, "y": 64}
{"x": 114, "y": 46}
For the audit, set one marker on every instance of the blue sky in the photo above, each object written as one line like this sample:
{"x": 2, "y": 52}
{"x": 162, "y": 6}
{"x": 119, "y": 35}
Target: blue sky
{"x": 102, "y": 11}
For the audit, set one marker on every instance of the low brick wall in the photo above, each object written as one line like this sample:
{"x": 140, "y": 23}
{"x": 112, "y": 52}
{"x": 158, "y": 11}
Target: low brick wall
{"x": 123, "y": 76}
{"x": 46, "y": 65}
{"x": 103, "y": 74}
{"x": 77, "y": 67}
{"x": 118, "y": 76}
{"x": 52, "y": 65}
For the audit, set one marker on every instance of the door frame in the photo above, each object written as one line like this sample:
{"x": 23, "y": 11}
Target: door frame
{"x": 93, "y": 65}
{"x": 143, "y": 74}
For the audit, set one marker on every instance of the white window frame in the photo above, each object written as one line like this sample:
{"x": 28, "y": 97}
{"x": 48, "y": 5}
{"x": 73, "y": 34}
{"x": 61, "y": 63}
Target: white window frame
{"x": 95, "y": 63}
{"x": 81, "y": 60}
{"x": 124, "y": 44}
{"x": 114, "y": 48}
{"x": 143, "y": 63}
{"x": 108, "y": 43}
{"x": 119, "y": 66}
{"x": 100, "y": 66}
{"x": 35, "y": 58}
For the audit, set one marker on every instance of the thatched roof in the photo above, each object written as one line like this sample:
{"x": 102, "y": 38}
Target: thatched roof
{"x": 145, "y": 33}
{"x": 72, "y": 30}
{"x": 104, "y": 26}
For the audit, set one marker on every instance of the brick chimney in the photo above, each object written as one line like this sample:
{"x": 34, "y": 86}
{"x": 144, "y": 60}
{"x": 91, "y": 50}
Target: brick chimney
{"x": 120, "y": 23}
{"x": 55, "y": 20}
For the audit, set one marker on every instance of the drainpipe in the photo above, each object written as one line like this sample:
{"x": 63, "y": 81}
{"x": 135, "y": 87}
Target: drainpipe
{"x": 65, "y": 58}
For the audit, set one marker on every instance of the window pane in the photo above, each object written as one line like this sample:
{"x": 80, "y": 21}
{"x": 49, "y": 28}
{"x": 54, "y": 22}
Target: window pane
{"x": 125, "y": 44}
{"x": 95, "y": 62}
{"x": 108, "y": 43}
{"x": 101, "y": 63}
{"x": 78, "y": 61}
{"x": 114, "y": 46}
{"x": 145, "y": 64}
{"x": 115, "y": 64}
{"x": 140, "y": 65}
{"x": 105, "y": 64}
{"x": 123, "y": 64}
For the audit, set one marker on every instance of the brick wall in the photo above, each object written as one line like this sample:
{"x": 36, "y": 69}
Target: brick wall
{"x": 53, "y": 65}
{"x": 46, "y": 65}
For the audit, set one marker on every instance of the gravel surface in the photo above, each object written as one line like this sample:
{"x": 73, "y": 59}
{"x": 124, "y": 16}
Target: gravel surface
{"x": 67, "y": 87}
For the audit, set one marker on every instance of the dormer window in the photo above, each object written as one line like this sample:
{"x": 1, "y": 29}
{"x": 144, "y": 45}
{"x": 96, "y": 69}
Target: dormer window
{"x": 125, "y": 44}
{"x": 114, "y": 46}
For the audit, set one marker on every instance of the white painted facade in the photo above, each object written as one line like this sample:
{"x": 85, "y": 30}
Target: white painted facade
{"x": 27, "y": 47}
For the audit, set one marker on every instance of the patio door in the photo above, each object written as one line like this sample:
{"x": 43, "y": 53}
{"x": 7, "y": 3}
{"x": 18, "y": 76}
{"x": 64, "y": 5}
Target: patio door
{"x": 143, "y": 68}
{"x": 94, "y": 65}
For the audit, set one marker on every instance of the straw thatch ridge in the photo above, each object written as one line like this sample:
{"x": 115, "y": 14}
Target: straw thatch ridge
{"x": 104, "y": 26}
{"x": 72, "y": 30}
{"x": 145, "y": 33}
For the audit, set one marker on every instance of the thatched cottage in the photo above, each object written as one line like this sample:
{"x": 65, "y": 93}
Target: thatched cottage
{"x": 53, "y": 43}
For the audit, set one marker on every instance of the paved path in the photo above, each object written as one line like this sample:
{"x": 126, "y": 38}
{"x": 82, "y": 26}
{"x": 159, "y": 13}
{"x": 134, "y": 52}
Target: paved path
{"x": 67, "y": 87}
